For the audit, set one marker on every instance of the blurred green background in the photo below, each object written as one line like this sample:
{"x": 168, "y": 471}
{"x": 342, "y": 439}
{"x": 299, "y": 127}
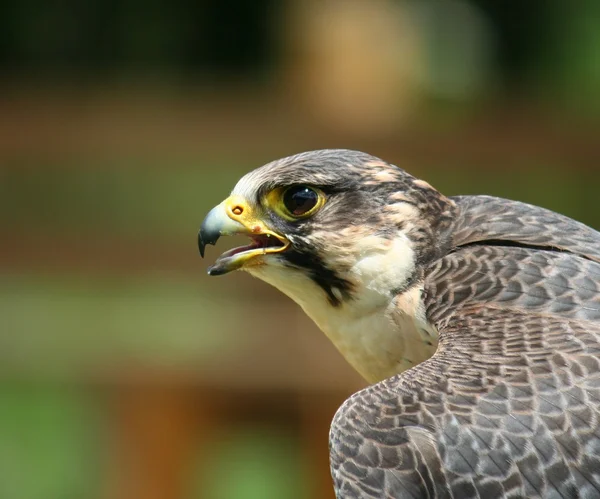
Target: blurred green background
{"x": 125, "y": 371}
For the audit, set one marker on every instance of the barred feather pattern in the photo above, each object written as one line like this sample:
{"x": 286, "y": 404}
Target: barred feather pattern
{"x": 485, "y": 218}
{"x": 509, "y": 405}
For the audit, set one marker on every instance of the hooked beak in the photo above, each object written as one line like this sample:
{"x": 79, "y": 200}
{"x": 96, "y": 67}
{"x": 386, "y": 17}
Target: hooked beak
{"x": 234, "y": 216}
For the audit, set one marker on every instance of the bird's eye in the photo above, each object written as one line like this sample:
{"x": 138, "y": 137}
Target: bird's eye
{"x": 300, "y": 200}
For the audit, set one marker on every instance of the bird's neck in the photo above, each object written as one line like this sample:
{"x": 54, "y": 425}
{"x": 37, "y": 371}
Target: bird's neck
{"x": 382, "y": 329}
{"x": 385, "y": 341}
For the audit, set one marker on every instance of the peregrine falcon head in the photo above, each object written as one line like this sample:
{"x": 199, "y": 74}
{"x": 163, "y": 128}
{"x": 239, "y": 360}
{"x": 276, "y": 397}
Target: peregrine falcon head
{"x": 343, "y": 234}
{"x": 339, "y": 226}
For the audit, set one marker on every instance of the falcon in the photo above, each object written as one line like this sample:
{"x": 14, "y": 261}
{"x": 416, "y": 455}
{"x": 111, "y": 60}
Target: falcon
{"x": 475, "y": 319}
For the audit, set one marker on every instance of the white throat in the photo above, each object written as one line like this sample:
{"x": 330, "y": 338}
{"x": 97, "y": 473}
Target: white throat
{"x": 379, "y": 334}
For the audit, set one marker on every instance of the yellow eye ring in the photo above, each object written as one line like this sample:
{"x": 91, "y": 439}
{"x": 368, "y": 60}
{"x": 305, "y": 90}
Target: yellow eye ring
{"x": 296, "y": 201}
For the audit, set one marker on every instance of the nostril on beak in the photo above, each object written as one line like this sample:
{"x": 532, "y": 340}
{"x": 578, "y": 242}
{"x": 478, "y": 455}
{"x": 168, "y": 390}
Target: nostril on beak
{"x": 237, "y": 210}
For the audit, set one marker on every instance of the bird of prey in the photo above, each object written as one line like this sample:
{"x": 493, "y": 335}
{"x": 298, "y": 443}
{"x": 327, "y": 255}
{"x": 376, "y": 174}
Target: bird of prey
{"x": 475, "y": 319}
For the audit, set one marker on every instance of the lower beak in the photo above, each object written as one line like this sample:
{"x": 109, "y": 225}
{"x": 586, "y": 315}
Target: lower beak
{"x": 233, "y": 217}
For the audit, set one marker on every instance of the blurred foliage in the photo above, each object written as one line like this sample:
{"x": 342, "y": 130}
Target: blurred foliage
{"x": 541, "y": 43}
{"x": 75, "y": 326}
{"x": 113, "y": 198}
{"x": 50, "y": 443}
{"x": 93, "y": 37}
{"x": 264, "y": 462}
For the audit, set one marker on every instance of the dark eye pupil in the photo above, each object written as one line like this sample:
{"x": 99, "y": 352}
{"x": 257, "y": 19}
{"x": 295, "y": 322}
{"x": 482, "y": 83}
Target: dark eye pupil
{"x": 300, "y": 200}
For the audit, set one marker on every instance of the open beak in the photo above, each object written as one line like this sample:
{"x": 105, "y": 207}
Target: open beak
{"x": 234, "y": 216}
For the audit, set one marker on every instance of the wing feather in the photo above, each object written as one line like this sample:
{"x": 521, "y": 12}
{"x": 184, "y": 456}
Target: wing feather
{"x": 488, "y": 218}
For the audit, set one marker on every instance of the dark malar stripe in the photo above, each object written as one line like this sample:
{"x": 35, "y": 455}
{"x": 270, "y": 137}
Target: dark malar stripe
{"x": 322, "y": 275}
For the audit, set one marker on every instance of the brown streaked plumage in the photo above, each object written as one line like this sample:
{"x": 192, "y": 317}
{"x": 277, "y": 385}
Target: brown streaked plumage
{"x": 477, "y": 320}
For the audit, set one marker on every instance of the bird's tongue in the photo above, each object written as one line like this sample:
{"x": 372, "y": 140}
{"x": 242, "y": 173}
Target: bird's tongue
{"x": 227, "y": 260}
{"x": 259, "y": 241}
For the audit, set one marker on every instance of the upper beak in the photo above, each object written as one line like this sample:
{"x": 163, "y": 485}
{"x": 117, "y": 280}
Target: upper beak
{"x": 217, "y": 224}
{"x": 234, "y": 216}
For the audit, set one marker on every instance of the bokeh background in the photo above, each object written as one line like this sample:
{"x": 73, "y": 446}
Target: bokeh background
{"x": 125, "y": 371}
